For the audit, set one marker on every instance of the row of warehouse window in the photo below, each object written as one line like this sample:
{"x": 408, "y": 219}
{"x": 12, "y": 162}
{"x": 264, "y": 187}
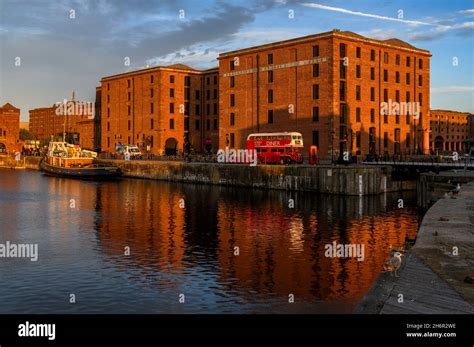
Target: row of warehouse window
{"x": 172, "y": 94}
{"x": 343, "y": 54}
{"x": 343, "y": 113}
{"x": 342, "y": 94}
{"x": 315, "y": 138}
{"x": 172, "y": 123}
{"x": 343, "y": 68}
{"x": 172, "y": 109}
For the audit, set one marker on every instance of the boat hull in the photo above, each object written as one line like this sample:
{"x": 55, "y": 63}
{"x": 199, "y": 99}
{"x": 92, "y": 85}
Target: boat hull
{"x": 106, "y": 172}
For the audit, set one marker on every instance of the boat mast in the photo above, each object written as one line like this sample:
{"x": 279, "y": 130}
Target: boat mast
{"x": 65, "y": 116}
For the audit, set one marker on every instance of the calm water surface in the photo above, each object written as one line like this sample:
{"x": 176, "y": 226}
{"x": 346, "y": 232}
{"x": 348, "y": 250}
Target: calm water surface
{"x": 182, "y": 240}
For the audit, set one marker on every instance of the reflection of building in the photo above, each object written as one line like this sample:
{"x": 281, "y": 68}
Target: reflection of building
{"x": 281, "y": 249}
{"x": 9, "y": 127}
{"x": 329, "y": 87}
{"x": 160, "y": 109}
{"x": 145, "y": 217}
{"x": 282, "y": 252}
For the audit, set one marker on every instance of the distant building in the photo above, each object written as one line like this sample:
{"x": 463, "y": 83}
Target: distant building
{"x": 331, "y": 87}
{"x": 471, "y": 129}
{"x": 450, "y": 130}
{"x": 44, "y": 123}
{"x": 9, "y": 128}
{"x": 160, "y": 109}
{"x": 75, "y": 118}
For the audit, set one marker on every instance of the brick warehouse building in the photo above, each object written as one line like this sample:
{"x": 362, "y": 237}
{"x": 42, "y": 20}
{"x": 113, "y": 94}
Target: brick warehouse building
{"x": 159, "y": 108}
{"x": 450, "y": 130}
{"x": 45, "y": 122}
{"x": 9, "y": 128}
{"x": 329, "y": 87}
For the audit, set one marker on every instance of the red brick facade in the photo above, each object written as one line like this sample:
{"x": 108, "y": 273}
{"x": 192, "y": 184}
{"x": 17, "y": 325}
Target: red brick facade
{"x": 300, "y": 85}
{"x": 9, "y": 127}
{"x": 450, "y": 130}
{"x": 159, "y": 108}
{"x": 49, "y": 121}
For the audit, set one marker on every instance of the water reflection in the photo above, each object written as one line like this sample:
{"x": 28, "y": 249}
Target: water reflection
{"x": 227, "y": 250}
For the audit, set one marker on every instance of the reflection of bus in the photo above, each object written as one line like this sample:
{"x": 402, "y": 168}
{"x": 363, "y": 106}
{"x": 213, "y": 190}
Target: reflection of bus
{"x": 281, "y": 148}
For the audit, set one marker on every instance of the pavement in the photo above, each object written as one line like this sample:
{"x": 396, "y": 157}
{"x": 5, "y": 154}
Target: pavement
{"x": 436, "y": 276}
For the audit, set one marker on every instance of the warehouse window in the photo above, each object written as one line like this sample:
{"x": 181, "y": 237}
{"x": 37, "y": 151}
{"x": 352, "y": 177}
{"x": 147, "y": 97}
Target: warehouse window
{"x": 315, "y": 51}
{"x": 270, "y": 116}
{"x": 315, "y": 91}
{"x": 315, "y": 138}
{"x": 270, "y": 76}
{"x": 315, "y": 70}
{"x": 315, "y": 114}
{"x": 270, "y": 58}
{"x": 342, "y": 50}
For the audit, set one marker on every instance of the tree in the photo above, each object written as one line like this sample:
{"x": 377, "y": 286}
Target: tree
{"x": 26, "y": 135}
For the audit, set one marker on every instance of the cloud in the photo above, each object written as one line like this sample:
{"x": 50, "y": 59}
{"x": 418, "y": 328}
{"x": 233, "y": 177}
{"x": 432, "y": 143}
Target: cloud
{"x": 464, "y": 30}
{"x": 469, "y": 11}
{"x": 453, "y": 89}
{"x": 60, "y": 54}
{"x": 363, "y": 14}
{"x": 195, "y": 56}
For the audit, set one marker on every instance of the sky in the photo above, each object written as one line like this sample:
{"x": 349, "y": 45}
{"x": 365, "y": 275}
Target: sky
{"x": 50, "y": 48}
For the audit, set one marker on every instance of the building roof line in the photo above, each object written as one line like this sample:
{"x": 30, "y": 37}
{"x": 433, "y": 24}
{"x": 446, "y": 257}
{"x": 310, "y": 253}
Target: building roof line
{"x": 333, "y": 33}
{"x": 176, "y": 67}
{"x": 451, "y": 111}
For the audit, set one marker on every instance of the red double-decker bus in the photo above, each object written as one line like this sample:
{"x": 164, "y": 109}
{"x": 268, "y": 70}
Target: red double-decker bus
{"x": 277, "y": 148}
